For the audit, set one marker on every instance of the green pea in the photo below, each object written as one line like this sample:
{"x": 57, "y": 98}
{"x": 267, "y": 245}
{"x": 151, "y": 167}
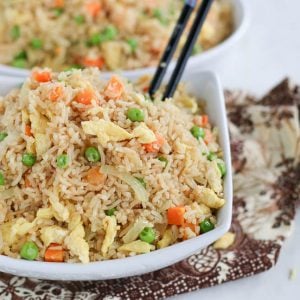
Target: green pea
{"x": 29, "y": 251}
{"x": 157, "y": 13}
{"x": 142, "y": 181}
{"x": 197, "y": 49}
{"x": 211, "y": 156}
{"x": 19, "y": 63}
{"x": 163, "y": 159}
{"x": 80, "y": 19}
{"x": 206, "y": 226}
{"x": 58, "y": 11}
{"x": 135, "y": 115}
{"x": 28, "y": 159}
{"x": 62, "y": 161}
{"x": 110, "y": 212}
{"x": 133, "y": 43}
{"x": 147, "y": 235}
{"x": 3, "y": 135}
{"x": 110, "y": 32}
{"x": 197, "y": 132}
{"x": 15, "y": 32}
{"x": 21, "y": 55}
{"x": 95, "y": 39}
{"x": 92, "y": 154}
{"x": 36, "y": 43}
{"x": 222, "y": 168}
{"x": 73, "y": 67}
{"x": 2, "y": 180}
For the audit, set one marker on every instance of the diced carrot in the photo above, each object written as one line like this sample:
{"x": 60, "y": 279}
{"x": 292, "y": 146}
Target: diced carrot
{"x": 85, "y": 97}
{"x": 95, "y": 177}
{"x": 201, "y": 121}
{"x": 93, "y": 7}
{"x": 176, "y": 215}
{"x": 156, "y": 145}
{"x": 44, "y": 76}
{"x": 204, "y": 120}
{"x": 54, "y": 253}
{"x": 92, "y": 62}
{"x": 28, "y": 130}
{"x": 27, "y": 182}
{"x": 208, "y": 138}
{"x": 114, "y": 88}
{"x": 59, "y": 3}
{"x": 58, "y": 50}
{"x": 145, "y": 89}
{"x": 56, "y": 93}
{"x": 188, "y": 225}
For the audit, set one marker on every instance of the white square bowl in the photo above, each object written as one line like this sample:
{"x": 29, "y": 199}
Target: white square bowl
{"x": 204, "y": 85}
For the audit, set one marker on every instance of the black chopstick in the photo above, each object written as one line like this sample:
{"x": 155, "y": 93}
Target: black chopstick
{"x": 185, "y": 54}
{"x": 188, "y": 48}
{"x": 172, "y": 45}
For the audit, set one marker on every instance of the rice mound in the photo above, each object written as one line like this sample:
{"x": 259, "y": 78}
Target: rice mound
{"x": 107, "y": 34}
{"x": 69, "y": 206}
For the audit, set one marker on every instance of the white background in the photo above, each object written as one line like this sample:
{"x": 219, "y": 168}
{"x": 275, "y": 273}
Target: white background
{"x": 269, "y": 52}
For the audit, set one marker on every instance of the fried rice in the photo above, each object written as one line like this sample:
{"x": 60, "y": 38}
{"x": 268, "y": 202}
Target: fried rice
{"x": 107, "y": 34}
{"x": 155, "y": 171}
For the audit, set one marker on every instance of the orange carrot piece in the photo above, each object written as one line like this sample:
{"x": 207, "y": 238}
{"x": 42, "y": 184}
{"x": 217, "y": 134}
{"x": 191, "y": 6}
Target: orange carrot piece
{"x": 54, "y": 253}
{"x": 93, "y": 7}
{"x": 204, "y": 120}
{"x": 28, "y": 130}
{"x": 85, "y": 97}
{"x": 95, "y": 177}
{"x": 208, "y": 138}
{"x": 92, "y": 62}
{"x": 156, "y": 145}
{"x": 59, "y": 3}
{"x": 27, "y": 182}
{"x": 56, "y": 93}
{"x": 114, "y": 88}
{"x": 176, "y": 215}
{"x": 44, "y": 76}
{"x": 146, "y": 89}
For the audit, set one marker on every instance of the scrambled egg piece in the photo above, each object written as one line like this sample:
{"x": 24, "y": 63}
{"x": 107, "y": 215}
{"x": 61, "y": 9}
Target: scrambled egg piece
{"x": 110, "y": 225}
{"x": 112, "y": 53}
{"x": 77, "y": 245}
{"x": 143, "y": 134}
{"x": 45, "y": 213}
{"x": 53, "y": 234}
{"x": 225, "y": 241}
{"x": 214, "y": 176}
{"x": 167, "y": 239}
{"x": 10, "y": 231}
{"x": 75, "y": 220}
{"x": 42, "y": 143}
{"x": 187, "y": 102}
{"x": 137, "y": 247}
{"x": 61, "y": 213}
{"x": 39, "y": 125}
{"x": 133, "y": 157}
{"x": 25, "y": 116}
{"x": 208, "y": 197}
{"x": 106, "y": 131}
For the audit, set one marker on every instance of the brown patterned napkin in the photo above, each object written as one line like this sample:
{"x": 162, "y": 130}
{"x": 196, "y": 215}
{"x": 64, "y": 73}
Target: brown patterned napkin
{"x": 266, "y": 159}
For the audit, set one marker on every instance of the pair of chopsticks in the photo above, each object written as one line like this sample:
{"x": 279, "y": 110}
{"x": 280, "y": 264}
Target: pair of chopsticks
{"x": 173, "y": 43}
